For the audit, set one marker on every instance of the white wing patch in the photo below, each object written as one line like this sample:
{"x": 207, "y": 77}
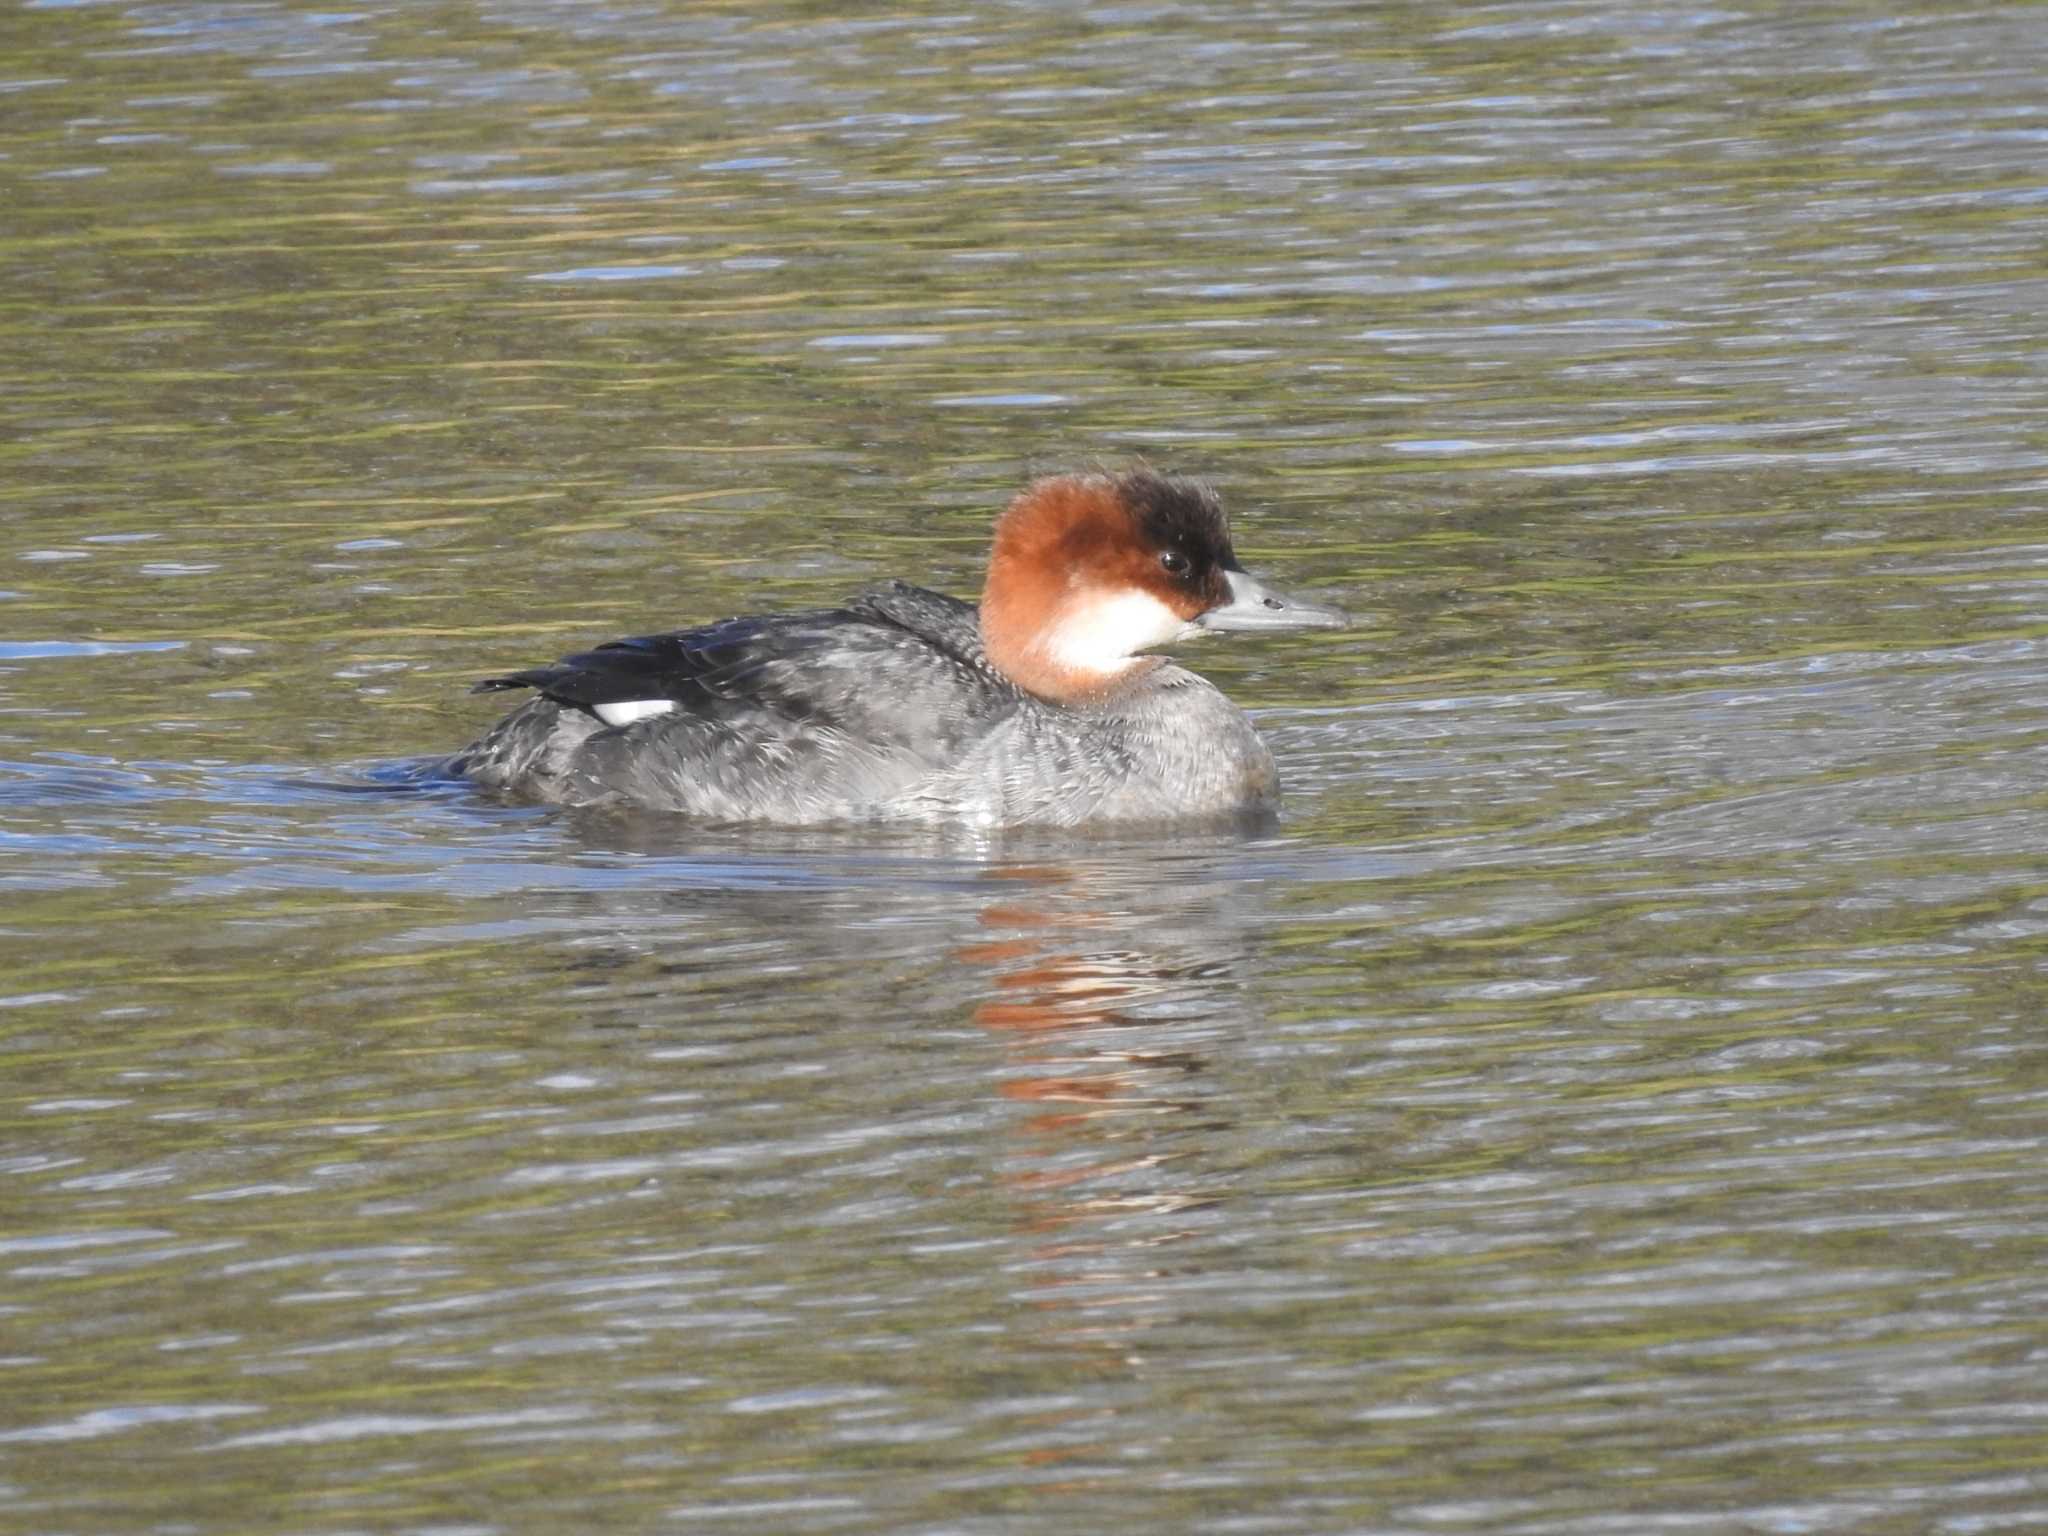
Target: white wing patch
{"x": 625, "y": 712}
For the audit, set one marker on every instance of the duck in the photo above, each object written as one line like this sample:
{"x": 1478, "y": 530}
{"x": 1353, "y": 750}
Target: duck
{"x": 1045, "y": 704}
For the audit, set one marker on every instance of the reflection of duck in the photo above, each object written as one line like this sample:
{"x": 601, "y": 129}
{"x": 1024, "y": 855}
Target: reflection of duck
{"x": 1089, "y": 1059}
{"x": 907, "y": 705}
{"x": 1104, "y": 984}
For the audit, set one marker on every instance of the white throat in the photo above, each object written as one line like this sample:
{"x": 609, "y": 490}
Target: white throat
{"x": 1099, "y": 635}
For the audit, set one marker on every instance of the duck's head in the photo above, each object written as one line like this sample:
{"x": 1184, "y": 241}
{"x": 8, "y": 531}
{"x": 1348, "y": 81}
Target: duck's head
{"x": 1090, "y": 571}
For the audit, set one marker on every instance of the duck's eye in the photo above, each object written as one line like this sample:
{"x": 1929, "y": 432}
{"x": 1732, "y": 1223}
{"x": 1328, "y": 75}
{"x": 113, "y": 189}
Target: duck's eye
{"x": 1174, "y": 561}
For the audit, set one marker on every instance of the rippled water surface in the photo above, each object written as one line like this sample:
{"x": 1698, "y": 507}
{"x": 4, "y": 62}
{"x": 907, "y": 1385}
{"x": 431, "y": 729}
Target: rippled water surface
{"x": 1613, "y": 1099}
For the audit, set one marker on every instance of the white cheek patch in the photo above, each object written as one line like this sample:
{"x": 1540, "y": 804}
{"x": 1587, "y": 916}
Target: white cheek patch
{"x": 626, "y": 712}
{"x": 1100, "y": 634}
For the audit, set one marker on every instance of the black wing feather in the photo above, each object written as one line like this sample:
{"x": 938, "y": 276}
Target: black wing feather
{"x": 679, "y": 666}
{"x": 804, "y": 666}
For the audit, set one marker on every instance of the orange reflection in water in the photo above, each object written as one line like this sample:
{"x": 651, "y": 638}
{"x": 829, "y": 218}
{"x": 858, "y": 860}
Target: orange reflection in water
{"x": 1108, "y": 1157}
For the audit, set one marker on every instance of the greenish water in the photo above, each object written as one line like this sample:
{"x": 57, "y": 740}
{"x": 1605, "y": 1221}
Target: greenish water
{"x": 1613, "y": 1101}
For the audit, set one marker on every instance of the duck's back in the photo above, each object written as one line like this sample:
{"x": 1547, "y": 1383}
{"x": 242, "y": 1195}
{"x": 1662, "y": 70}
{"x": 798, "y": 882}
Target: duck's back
{"x": 834, "y": 715}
